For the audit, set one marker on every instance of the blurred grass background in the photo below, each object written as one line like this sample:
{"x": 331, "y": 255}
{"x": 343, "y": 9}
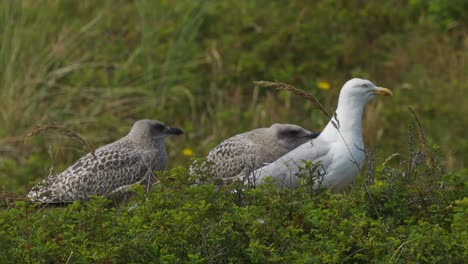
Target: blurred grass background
{"x": 97, "y": 66}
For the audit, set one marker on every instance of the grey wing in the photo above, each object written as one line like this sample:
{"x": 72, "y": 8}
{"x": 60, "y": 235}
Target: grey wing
{"x": 231, "y": 156}
{"x": 110, "y": 170}
{"x": 256, "y": 156}
{"x": 285, "y": 169}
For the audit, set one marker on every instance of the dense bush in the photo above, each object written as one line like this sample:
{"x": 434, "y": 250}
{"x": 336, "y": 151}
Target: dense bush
{"x": 97, "y": 66}
{"x": 410, "y": 213}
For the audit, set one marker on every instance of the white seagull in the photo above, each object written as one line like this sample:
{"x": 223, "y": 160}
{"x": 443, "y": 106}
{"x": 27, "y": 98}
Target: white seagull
{"x": 338, "y": 151}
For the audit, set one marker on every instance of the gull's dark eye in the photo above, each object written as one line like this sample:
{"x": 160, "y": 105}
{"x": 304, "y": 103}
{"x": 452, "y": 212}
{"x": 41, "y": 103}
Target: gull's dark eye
{"x": 159, "y": 127}
{"x": 293, "y": 133}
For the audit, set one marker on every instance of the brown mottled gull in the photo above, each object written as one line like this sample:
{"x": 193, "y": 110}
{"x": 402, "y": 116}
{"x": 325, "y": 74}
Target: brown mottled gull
{"x": 129, "y": 160}
{"x": 245, "y": 152}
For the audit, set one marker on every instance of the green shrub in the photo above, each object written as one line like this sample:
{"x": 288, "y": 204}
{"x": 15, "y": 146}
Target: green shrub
{"x": 97, "y": 66}
{"x": 395, "y": 219}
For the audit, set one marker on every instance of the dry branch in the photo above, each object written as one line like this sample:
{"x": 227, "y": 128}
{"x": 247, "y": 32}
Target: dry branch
{"x": 422, "y": 139}
{"x": 282, "y": 86}
{"x": 63, "y": 131}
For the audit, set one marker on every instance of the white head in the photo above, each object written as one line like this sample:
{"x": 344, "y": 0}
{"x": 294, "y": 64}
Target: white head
{"x": 291, "y": 136}
{"x": 148, "y": 129}
{"x": 361, "y": 91}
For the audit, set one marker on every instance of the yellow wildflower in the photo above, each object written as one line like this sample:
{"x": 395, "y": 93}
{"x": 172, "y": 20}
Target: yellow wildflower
{"x": 323, "y": 85}
{"x": 187, "y": 152}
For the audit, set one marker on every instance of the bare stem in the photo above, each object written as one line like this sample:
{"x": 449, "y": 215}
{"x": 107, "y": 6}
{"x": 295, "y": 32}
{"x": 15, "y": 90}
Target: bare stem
{"x": 282, "y": 86}
{"x": 63, "y": 131}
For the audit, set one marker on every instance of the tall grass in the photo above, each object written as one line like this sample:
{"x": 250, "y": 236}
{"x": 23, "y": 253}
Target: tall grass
{"x": 98, "y": 66}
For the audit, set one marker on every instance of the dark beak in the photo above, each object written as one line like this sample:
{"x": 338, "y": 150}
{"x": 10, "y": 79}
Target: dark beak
{"x": 313, "y": 135}
{"x": 174, "y": 131}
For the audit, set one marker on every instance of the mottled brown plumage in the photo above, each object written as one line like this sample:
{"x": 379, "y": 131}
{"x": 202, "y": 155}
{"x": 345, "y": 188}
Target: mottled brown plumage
{"x": 129, "y": 160}
{"x": 245, "y": 152}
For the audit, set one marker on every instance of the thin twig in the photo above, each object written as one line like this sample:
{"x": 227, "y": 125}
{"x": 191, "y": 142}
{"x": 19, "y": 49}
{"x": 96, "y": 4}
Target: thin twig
{"x": 390, "y": 158}
{"x": 9, "y": 198}
{"x": 63, "y": 131}
{"x": 69, "y": 257}
{"x": 422, "y": 138}
{"x": 282, "y": 86}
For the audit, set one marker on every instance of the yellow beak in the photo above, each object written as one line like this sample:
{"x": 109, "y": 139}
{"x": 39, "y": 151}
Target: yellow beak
{"x": 383, "y": 91}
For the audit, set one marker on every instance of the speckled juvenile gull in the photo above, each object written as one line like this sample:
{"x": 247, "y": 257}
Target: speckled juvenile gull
{"x": 339, "y": 148}
{"x": 129, "y": 160}
{"x": 245, "y": 152}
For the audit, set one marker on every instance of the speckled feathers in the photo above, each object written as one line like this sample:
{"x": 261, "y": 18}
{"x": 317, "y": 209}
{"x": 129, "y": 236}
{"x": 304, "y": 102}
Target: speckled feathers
{"x": 247, "y": 151}
{"x": 129, "y": 160}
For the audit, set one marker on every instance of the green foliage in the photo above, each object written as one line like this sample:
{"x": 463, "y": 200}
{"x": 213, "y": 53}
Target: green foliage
{"x": 96, "y": 66}
{"x": 393, "y": 220}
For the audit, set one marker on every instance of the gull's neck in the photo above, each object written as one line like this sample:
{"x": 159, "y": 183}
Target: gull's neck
{"x": 349, "y": 115}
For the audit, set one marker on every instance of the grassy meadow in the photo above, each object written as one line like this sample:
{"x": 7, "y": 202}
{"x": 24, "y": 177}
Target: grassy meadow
{"x": 97, "y": 66}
